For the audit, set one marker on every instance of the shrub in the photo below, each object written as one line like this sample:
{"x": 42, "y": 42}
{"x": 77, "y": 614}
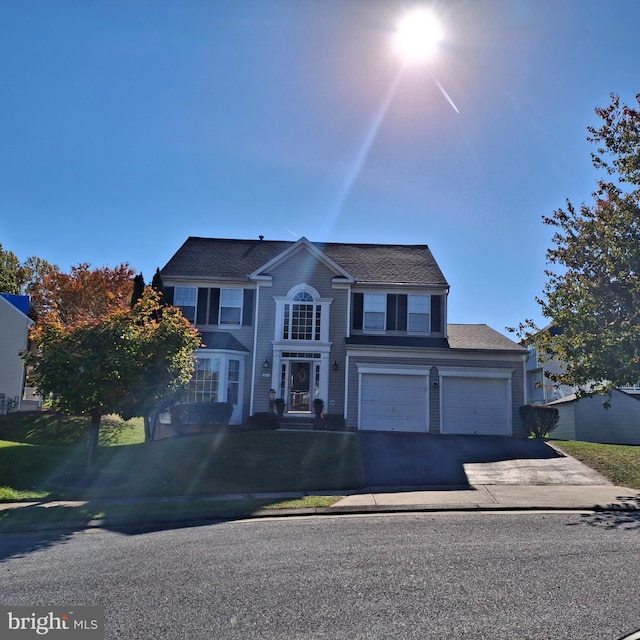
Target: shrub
{"x": 184, "y": 417}
{"x": 262, "y": 420}
{"x": 539, "y": 420}
{"x": 334, "y": 421}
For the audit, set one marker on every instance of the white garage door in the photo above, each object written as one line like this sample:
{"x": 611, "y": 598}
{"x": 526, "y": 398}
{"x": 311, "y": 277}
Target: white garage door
{"x": 475, "y": 406}
{"x": 390, "y": 402}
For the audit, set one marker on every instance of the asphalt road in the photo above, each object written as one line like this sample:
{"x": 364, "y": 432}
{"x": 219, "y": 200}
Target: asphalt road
{"x": 442, "y": 575}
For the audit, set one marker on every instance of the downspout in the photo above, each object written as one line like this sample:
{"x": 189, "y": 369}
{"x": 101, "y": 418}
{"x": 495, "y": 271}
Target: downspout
{"x": 347, "y": 358}
{"x": 255, "y": 348}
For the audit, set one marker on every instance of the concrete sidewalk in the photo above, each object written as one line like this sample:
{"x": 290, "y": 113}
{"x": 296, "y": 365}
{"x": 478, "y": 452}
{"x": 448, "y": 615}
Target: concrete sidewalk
{"x": 496, "y": 497}
{"x": 501, "y": 497}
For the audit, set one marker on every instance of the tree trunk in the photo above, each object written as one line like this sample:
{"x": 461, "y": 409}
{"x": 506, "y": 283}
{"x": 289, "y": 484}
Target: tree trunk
{"x": 94, "y": 432}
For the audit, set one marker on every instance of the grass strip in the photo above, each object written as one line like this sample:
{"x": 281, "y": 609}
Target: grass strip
{"x": 618, "y": 463}
{"x": 81, "y": 515}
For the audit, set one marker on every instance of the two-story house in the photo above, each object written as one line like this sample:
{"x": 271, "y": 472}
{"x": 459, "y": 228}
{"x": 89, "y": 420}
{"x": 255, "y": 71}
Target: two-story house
{"x": 361, "y": 326}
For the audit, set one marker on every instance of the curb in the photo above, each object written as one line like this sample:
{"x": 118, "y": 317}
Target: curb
{"x": 204, "y": 519}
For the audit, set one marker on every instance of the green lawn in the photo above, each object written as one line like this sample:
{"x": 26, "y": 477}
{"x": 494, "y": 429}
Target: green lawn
{"x": 43, "y": 456}
{"x": 618, "y": 463}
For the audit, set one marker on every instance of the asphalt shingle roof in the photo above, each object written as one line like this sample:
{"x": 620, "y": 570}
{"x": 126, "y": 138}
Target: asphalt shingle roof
{"x": 367, "y": 263}
{"x": 480, "y": 336}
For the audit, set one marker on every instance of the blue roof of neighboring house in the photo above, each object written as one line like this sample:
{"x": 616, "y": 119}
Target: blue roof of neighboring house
{"x": 22, "y": 303}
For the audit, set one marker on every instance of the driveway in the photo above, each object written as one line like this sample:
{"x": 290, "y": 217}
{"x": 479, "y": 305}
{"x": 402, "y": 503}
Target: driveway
{"x": 412, "y": 460}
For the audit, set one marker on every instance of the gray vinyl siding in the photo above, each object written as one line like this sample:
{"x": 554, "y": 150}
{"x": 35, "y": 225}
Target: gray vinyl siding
{"x": 587, "y": 420}
{"x": 432, "y": 364}
{"x": 619, "y": 424}
{"x": 300, "y": 268}
{"x": 566, "y": 429}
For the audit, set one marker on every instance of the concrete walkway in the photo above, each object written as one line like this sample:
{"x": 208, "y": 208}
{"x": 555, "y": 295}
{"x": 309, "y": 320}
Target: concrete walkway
{"x": 497, "y": 497}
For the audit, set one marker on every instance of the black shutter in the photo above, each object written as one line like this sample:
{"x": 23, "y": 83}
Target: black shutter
{"x": 392, "y": 311}
{"x": 402, "y": 312}
{"x": 247, "y": 308}
{"x": 202, "y": 303}
{"x": 214, "y": 305}
{"x": 436, "y": 313}
{"x": 357, "y": 308}
{"x": 167, "y": 295}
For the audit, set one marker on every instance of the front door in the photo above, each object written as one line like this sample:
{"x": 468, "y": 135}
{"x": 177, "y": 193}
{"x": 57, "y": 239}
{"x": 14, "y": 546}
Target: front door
{"x": 300, "y": 386}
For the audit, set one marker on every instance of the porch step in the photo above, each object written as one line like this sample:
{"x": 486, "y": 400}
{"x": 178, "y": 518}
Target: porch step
{"x": 296, "y": 423}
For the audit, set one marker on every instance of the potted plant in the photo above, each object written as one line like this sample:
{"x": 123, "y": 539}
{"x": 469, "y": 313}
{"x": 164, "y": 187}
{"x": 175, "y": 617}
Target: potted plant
{"x": 280, "y": 404}
{"x": 318, "y": 406}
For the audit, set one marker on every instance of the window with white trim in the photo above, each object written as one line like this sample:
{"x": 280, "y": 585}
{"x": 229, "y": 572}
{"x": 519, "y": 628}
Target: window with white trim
{"x": 374, "y": 311}
{"x": 186, "y": 299}
{"x": 302, "y": 318}
{"x": 203, "y": 386}
{"x": 231, "y": 306}
{"x": 233, "y": 381}
{"x": 418, "y": 313}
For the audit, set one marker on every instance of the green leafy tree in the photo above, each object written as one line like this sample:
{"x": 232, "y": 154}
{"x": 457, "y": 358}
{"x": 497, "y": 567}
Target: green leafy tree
{"x": 593, "y": 289}
{"x": 21, "y": 277}
{"x": 125, "y": 363}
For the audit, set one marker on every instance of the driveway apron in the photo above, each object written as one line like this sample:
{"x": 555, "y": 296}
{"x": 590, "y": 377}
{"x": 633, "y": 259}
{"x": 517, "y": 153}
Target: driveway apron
{"x": 410, "y": 459}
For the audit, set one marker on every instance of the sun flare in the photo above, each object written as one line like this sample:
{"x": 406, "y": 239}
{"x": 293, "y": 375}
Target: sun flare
{"x": 417, "y": 36}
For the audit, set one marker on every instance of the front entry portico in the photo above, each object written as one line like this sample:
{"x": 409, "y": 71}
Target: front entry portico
{"x": 302, "y": 377}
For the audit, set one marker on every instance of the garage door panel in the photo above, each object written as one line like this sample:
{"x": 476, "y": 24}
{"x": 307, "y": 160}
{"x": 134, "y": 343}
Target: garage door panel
{"x": 392, "y": 402}
{"x": 475, "y": 406}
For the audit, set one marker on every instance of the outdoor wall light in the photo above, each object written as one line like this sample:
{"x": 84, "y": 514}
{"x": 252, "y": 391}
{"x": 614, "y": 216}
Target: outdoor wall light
{"x": 435, "y": 384}
{"x": 265, "y": 364}
{"x": 334, "y": 366}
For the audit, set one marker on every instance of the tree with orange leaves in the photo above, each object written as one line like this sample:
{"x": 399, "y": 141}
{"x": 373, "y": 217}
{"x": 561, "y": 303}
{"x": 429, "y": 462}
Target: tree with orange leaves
{"x": 95, "y": 354}
{"x": 84, "y": 295}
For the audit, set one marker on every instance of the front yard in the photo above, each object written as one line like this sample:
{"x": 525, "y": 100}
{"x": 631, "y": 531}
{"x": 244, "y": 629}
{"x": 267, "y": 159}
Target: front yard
{"x": 43, "y": 456}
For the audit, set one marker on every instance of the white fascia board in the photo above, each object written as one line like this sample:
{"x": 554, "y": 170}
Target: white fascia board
{"x": 394, "y": 369}
{"x": 426, "y": 352}
{"x": 183, "y": 281}
{"x": 481, "y": 372}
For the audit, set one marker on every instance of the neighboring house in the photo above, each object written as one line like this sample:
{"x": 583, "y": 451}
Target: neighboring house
{"x": 585, "y": 419}
{"x": 361, "y": 326}
{"x": 14, "y": 339}
{"x": 588, "y": 420}
{"x": 540, "y": 389}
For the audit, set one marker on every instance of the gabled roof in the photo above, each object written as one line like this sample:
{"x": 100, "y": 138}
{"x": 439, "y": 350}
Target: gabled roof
{"x": 227, "y": 259}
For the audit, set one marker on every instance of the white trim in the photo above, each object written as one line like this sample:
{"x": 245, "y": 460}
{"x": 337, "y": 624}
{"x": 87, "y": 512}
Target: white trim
{"x": 485, "y": 372}
{"x": 255, "y": 351}
{"x": 435, "y": 355}
{"x": 406, "y": 370}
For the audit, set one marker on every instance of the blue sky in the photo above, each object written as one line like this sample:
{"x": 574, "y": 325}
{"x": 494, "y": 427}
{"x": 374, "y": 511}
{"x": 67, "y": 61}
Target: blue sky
{"x": 128, "y": 125}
